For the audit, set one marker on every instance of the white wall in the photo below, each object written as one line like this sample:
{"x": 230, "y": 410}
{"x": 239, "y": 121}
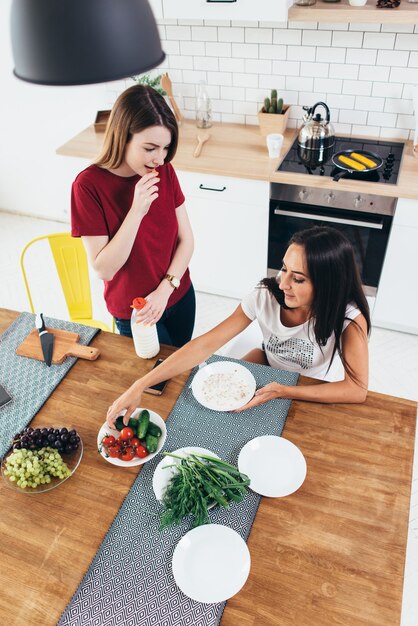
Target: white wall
{"x": 365, "y": 73}
{"x": 34, "y": 121}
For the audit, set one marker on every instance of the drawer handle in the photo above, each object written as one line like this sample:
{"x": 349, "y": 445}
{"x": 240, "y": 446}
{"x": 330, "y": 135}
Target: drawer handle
{"x": 211, "y": 188}
{"x": 221, "y": 0}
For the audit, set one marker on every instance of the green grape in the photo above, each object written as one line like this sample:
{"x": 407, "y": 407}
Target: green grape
{"x": 30, "y": 468}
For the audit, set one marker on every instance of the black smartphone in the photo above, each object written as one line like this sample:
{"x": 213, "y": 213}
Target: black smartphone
{"x": 157, "y": 389}
{"x": 5, "y": 398}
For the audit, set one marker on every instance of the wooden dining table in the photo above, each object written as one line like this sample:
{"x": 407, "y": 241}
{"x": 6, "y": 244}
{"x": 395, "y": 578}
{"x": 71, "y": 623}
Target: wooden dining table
{"x": 330, "y": 554}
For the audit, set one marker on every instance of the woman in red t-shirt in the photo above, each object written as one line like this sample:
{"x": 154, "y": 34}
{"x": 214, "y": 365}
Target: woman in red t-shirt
{"x": 129, "y": 210}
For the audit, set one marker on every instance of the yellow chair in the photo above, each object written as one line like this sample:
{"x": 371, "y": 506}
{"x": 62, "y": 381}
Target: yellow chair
{"x": 71, "y": 264}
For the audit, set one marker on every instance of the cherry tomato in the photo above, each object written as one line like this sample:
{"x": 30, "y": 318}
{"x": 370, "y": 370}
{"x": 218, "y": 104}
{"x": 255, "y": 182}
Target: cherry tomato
{"x": 128, "y": 454}
{"x": 114, "y": 451}
{"x": 134, "y": 442}
{"x": 126, "y": 433}
{"x": 108, "y": 440}
{"x": 141, "y": 451}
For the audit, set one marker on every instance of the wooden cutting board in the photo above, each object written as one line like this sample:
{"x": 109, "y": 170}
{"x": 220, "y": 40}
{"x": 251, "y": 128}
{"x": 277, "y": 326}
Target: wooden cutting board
{"x": 65, "y": 344}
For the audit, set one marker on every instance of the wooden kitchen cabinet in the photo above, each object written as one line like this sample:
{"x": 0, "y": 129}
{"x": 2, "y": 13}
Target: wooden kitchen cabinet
{"x": 406, "y": 13}
{"x": 229, "y": 218}
{"x": 262, "y": 10}
{"x": 396, "y": 304}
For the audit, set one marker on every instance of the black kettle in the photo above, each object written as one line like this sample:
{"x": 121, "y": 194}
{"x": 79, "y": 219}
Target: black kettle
{"x": 316, "y": 139}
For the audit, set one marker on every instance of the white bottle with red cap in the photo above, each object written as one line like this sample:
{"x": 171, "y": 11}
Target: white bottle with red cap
{"x": 145, "y": 337}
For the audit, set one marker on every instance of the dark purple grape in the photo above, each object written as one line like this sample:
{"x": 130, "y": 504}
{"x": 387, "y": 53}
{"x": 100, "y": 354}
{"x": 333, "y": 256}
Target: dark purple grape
{"x": 64, "y": 437}
{"x": 51, "y": 431}
{"x": 78, "y": 439}
{"x": 68, "y": 448}
{"x": 56, "y": 431}
{"x": 59, "y": 444}
{"x": 63, "y": 431}
{"x": 32, "y": 446}
{"x": 25, "y": 440}
{"x": 29, "y": 429}
{"x": 17, "y": 445}
{"x": 72, "y": 433}
{"x": 44, "y": 431}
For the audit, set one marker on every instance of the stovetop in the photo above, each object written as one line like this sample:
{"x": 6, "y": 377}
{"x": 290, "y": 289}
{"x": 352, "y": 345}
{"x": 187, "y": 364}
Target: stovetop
{"x": 391, "y": 153}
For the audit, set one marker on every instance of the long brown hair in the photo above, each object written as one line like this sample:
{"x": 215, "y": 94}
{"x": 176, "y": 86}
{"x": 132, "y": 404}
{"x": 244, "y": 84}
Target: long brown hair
{"x": 336, "y": 283}
{"x": 136, "y": 109}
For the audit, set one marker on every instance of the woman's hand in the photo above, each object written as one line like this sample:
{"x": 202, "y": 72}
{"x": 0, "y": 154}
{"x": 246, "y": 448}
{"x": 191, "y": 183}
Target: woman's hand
{"x": 146, "y": 191}
{"x": 156, "y": 304}
{"x": 264, "y": 394}
{"x": 129, "y": 400}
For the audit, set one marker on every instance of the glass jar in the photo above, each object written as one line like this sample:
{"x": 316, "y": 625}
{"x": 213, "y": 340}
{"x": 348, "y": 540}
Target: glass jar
{"x": 305, "y": 3}
{"x": 203, "y": 107}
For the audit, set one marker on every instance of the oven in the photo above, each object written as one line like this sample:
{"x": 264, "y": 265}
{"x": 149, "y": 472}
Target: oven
{"x": 365, "y": 219}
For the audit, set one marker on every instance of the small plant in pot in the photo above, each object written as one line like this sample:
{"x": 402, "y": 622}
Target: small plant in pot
{"x": 151, "y": 81}
{"x": 274, "y": 115}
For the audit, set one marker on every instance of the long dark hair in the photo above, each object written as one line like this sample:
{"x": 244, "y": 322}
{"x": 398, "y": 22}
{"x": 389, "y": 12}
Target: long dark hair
{"x": 136, "y": 109}
{"x": 336, "y": 283}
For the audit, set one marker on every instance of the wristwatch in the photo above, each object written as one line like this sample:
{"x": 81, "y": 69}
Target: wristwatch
{"x": 173, "y": 280}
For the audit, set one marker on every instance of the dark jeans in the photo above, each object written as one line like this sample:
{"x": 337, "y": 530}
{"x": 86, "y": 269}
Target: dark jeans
{"x": 175, "y": 328}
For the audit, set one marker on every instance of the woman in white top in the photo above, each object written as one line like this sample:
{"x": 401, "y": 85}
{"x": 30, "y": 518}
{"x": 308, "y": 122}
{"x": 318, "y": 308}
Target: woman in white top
{"x": 313, "y": 314}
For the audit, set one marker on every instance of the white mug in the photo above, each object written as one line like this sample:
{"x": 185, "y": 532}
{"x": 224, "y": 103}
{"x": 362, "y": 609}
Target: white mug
{"x": 274, "y": 144}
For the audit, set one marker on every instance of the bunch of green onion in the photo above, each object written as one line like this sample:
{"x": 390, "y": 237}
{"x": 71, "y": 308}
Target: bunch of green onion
{"x": 199, "y": 482}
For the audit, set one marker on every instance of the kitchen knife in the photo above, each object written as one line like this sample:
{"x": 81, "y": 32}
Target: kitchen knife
{"x": 47, "y": 339}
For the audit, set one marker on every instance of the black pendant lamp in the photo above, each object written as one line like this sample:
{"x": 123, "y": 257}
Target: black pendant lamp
{"x": 78, "y": 42}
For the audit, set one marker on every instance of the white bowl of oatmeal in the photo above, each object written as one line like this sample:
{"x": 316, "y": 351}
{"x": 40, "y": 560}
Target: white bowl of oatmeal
{"x": 223, "y": 386}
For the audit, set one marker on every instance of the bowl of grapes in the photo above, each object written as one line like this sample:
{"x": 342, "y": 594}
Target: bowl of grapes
{"x": 41, "y": 458}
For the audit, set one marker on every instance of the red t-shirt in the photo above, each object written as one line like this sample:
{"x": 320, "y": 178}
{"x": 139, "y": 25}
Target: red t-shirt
{"x": 100, "y": 202}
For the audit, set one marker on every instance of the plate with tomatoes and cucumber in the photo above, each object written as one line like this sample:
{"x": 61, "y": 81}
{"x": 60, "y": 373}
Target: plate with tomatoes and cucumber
{"x": 135, "y": 443}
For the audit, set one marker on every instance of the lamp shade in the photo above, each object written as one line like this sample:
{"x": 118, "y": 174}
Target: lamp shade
{"x": 77, "y": 42}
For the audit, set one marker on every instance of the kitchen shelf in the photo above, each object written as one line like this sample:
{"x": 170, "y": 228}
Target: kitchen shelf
{"x": 406, "y": 13}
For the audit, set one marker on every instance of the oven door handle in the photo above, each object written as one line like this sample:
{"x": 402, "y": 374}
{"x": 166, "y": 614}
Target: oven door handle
{"x": 325, "y": 218}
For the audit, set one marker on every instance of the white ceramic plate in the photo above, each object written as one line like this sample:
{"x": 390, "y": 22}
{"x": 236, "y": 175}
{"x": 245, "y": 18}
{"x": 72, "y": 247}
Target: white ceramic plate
{"x": 223, "y": 386}
{"x": 163, "y": 476}
{"x": 105, "y": 430}
{"x": 211, "y": 563}
{"x": 275, "y": 465}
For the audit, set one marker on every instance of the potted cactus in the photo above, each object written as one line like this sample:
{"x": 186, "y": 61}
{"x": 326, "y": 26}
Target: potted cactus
{"x": 274, "y": 115}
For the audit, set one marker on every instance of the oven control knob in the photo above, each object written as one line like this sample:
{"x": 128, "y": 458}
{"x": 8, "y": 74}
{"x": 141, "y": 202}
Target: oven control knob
{"x": 358, "y": 201}
{"x": 303, "y": 194}
{"x": 330, "y": 197}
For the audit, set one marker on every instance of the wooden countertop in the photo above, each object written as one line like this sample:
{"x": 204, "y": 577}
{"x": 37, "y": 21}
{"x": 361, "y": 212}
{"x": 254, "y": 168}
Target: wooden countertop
{"x": 240, "y": 151}
{"x": 331, "y": 553}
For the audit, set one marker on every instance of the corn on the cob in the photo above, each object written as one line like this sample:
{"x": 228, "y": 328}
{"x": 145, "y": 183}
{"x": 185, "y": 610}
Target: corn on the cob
{"x": 352, "y": 164}
{"x": 360, "y": 157}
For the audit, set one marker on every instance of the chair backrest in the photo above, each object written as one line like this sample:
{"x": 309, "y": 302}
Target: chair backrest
{"x": 71, "y": 263}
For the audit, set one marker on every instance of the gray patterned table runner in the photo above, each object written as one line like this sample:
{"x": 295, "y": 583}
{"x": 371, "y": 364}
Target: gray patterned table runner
{"x": 28, "y": 381}
{"x": 130, "y": 581}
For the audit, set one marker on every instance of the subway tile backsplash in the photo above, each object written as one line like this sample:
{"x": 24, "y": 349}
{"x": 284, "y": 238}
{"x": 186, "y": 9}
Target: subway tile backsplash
{"x": 364, "y": 72}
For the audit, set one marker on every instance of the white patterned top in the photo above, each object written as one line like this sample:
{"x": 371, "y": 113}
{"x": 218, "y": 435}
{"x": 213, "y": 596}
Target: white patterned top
{"x": 293, "y": 348}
